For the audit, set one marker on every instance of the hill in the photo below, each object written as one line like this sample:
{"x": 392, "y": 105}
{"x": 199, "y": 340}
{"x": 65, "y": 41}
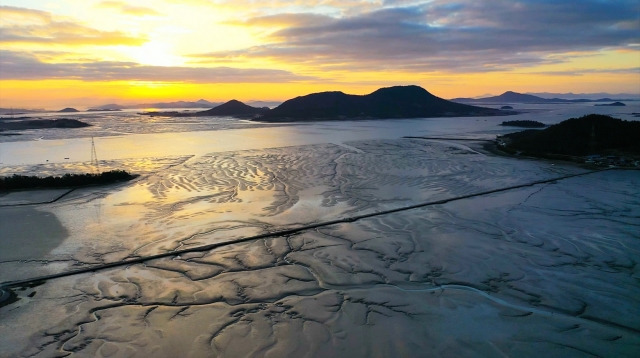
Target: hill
{"x": 68, "y": 110}
{"x": 233, "y": 108}
{"x": 391, "y": 102}
{"x": 515, "y": 97}
{"x": 511, "y": 97}
{"x": 591, "y": 134}
{"x": 592, "y": 97}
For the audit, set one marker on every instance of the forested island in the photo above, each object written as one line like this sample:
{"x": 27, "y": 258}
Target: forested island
{"x": 25, "y": 123}
{"x": 594, "y": 135}
{"x": 16, "y": 182}
{"x": 523, "y": 124}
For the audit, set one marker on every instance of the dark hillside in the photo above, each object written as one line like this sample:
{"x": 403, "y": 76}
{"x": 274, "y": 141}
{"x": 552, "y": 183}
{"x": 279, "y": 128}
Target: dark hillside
{"x": 391, "y": 102}
{"x": 232, "y": 108}
{"x": 586, "y": 135}
{"x": 316, "y": 105}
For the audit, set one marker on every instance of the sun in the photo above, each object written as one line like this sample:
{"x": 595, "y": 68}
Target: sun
{"x": 155, "y": 53}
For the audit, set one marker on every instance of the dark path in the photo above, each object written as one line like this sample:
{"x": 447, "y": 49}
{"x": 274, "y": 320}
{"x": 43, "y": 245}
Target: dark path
{"x": 34, "y": 280}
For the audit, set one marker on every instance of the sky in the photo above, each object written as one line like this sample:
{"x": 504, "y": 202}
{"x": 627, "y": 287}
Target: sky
{"x": 58, "y": 53}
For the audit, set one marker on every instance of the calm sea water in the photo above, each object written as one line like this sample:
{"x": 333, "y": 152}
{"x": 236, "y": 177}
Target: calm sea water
{"x": 120, "y": 135}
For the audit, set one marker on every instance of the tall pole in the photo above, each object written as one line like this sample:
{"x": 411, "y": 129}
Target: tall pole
{"x": 94, "y": 157}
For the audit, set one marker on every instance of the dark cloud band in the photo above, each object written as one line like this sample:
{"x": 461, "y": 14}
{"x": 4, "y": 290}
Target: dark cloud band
{"x": 461, "y": 36}
{"x": 17, "y": 66}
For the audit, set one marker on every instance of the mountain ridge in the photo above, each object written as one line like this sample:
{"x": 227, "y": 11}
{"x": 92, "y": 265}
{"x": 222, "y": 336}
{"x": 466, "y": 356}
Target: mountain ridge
{"x": 515, "y": 97}
{"x": 232, "y": 108}
{"x": 201, "y": 103}
{"x": 389, "y": 102}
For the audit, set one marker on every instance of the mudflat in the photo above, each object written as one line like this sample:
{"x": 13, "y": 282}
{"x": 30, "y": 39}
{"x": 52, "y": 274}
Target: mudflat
{"x": 542, "y": 267}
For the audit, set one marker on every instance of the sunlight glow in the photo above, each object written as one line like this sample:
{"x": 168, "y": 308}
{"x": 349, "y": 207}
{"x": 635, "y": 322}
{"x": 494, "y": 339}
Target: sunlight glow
{"x": 97, "y": 51}
{"x": 154, "y": 53}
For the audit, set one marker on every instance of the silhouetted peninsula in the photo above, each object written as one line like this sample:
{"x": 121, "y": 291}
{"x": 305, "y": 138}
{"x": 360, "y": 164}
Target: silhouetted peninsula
{"x": 42, "y": 123}
{"x": 591, "y": 134}
{"x": 16, "y": 182}
{"x": 232, "y": 108}
{"x": 614, "y": 104}
{"x": 523, "y": 124}
{"x": 391, "y": 102}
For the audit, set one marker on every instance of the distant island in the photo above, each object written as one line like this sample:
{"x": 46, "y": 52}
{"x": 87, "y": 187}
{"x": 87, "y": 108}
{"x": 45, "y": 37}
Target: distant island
{"x": 233, "y": 108}
{"x": 614, "y": 104}
{"x": 592, "y": 135}
{"x": 68, "y": 110}
{"x": 23, "y": 124}
{"x": 391, "y": 102}
{"x": 18, "y": 182}
{"x": 507, "y": 97}
{"x": 524, "y": 124}
{"x": 201, "y": 103}
{"x": 18, "y": 111}
{"x": 103, "y": 110}
{"x": 515, "y": 97}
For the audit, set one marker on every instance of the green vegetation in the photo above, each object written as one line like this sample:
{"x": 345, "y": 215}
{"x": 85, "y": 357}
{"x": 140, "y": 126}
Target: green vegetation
{"x": 68, "y": 180}
{"x": 591, "y": 134}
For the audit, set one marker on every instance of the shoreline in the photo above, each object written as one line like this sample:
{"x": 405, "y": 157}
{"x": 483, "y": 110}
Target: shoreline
{"x": 560, "y": 158}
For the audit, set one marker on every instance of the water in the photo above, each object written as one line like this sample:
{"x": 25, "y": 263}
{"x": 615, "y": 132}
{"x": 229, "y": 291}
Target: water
{"x": 129, "y": 135}
{"x": 548, "y": 268}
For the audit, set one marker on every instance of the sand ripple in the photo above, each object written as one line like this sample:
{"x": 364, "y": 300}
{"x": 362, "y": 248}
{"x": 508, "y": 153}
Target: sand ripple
{"x": 550, "y": 268}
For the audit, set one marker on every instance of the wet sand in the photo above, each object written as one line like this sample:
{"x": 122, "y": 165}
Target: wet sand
{"x": 546, "y": 269}
{"x": 28, "y": 233}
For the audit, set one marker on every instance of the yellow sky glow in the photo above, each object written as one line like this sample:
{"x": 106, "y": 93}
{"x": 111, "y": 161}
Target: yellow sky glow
{"x": 64, "y": 53}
